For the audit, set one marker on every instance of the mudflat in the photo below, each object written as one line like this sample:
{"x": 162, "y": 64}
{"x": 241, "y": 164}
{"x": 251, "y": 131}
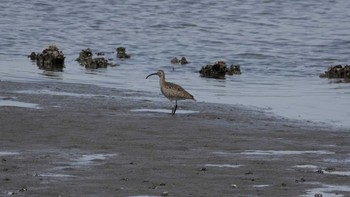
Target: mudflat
{"x": 60, "y": 139}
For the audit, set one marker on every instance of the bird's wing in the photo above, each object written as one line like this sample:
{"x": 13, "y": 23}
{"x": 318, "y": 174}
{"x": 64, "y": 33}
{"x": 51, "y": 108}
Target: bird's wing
{"x": 176, "y": 92}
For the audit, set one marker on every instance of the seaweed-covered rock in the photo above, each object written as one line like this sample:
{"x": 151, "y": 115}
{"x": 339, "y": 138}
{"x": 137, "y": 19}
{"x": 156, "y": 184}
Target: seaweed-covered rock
{"x": 216, "y": 70}
{"x": 85, "y": 59}
{"x": 84, "y": 56}
{"x": 33, "y": 56}
{"x": 234, "y": 70}
{"x": 175, "y": 60}
{"x": 219, "y": 70}
{"x": 51, "y": 59}
{"x": 97, "y": 62}
{"x": 121, "y": 53}
{"x": 183, "y": 61}
{"x": 337, "y": 71}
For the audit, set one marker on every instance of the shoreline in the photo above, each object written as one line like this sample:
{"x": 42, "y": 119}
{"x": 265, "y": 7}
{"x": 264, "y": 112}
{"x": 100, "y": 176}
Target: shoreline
{"x": 86, "y": 140}
{"x": 333, "y": 124}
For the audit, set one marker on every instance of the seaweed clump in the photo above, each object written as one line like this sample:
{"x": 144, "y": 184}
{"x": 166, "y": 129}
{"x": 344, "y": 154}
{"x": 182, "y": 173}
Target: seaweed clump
{"x": 85, "y": 59}
{"x": 234, "y": 70}
{"x": 182, "y": 61}
{"x": 121, "y": 53}
{"x": 51, "y": 59}
{"x": 219, "y": 70}
{"x": 337, "y": 71}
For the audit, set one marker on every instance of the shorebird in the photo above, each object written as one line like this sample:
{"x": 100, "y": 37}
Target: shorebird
{"x": 171, "y": 91}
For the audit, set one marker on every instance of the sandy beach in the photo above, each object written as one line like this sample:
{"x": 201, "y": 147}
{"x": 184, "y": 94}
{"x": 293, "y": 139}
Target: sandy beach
{"x": 83, "y": 140}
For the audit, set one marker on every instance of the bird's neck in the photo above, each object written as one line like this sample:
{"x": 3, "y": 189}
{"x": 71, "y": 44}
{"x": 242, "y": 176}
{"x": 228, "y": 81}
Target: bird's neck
{"x": 161, "y": 80}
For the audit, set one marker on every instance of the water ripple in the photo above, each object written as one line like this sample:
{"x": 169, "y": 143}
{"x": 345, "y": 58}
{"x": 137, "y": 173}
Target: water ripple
{"x": 282, "y": 46}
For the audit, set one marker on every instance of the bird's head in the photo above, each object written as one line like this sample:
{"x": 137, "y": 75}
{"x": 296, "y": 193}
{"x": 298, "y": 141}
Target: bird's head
{"x": 160, "y": 74}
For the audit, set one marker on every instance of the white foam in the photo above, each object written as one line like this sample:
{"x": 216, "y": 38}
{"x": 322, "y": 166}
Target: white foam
{"x": 8, "y": 153}
{"x": 88, "y": 159}
{"x": 168, "y": 111}
{"x": 275, "y": 152}
{"x": 260, "y": 186}
{"x": 284, "y": 152}
{"x": 223, "y": 165}
{"x": 10, "y": 103}
{"x": 347, "y": 160}
{"x": 143, "y": 196}
{"x": 340, "y": 173}
{"x": 306, "y": 166}
{"x": 57, "y": 93}
{"x": 55, "y": 175}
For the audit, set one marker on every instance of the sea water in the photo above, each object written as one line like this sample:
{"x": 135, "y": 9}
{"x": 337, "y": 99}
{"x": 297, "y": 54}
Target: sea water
{"x": 281, "y": 46}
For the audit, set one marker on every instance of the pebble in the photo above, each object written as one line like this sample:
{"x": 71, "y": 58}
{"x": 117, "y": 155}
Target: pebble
{"x": 165, "y": 193}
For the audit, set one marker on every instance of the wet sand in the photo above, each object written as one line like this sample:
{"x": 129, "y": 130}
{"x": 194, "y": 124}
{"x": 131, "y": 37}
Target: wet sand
{"x": 82, "y": 140}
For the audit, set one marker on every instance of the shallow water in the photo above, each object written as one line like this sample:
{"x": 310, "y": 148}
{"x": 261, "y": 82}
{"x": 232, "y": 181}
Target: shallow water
{"x": 83, "y": 160}
{"x": 10, "y": 103}
{"x": 261, "y": 186}
{"x": 89, "y": 159}
{"x": 333, "y": 172}
{"x": 55, "y": 175}
{"x": 328, "y": 190}
{"x": 7, "y": 153}
{"x": 275, "y": 152}
{"x": 223, "y": 165}
{"x": 282, "y": 47}
{"x": 165, "y": 111}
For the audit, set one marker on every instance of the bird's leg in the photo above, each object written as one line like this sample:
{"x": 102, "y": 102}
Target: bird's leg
{"x": 175, "y": 106}
{"x": 172, "y": 108}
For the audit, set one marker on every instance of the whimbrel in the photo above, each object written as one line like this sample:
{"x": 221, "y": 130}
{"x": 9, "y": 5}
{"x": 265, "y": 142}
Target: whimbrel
{"x": 171, "y": 91}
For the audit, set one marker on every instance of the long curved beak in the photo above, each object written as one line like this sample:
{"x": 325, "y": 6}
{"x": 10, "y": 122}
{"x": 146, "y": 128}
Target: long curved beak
{"x": 151, "y": 75}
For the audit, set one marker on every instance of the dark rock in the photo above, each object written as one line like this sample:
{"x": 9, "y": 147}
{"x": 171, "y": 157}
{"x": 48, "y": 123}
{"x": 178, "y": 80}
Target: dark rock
{"x": 234, "y": 70}
{"x": 124, "y": 179}
{"x": 337, "y": 71}
{"x": 329, "y": 169}
{"x": 23, "y": 189}
{"x": 85, "y": 59}
{"x": 203, "y": 169}
{"x": 84, "y": 55}
{"x": 121, "y": 53}
{"x": 182, "y": 61}
{"x": 249, "y": 172}
{"x": 301, "y": 180}
{"x": 216, "y": 70}
{"x": 234, "y": 186}
{"x": 33, "y": 56}
{"x": 153, "y": 186}
{"x": 51, "y": 59}
{"x": 174, "y": 60}
{"x": 219, "y": 70}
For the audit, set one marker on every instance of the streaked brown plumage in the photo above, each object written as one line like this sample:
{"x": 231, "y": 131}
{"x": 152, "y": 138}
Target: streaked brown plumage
{"x": 171, "y": 91}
